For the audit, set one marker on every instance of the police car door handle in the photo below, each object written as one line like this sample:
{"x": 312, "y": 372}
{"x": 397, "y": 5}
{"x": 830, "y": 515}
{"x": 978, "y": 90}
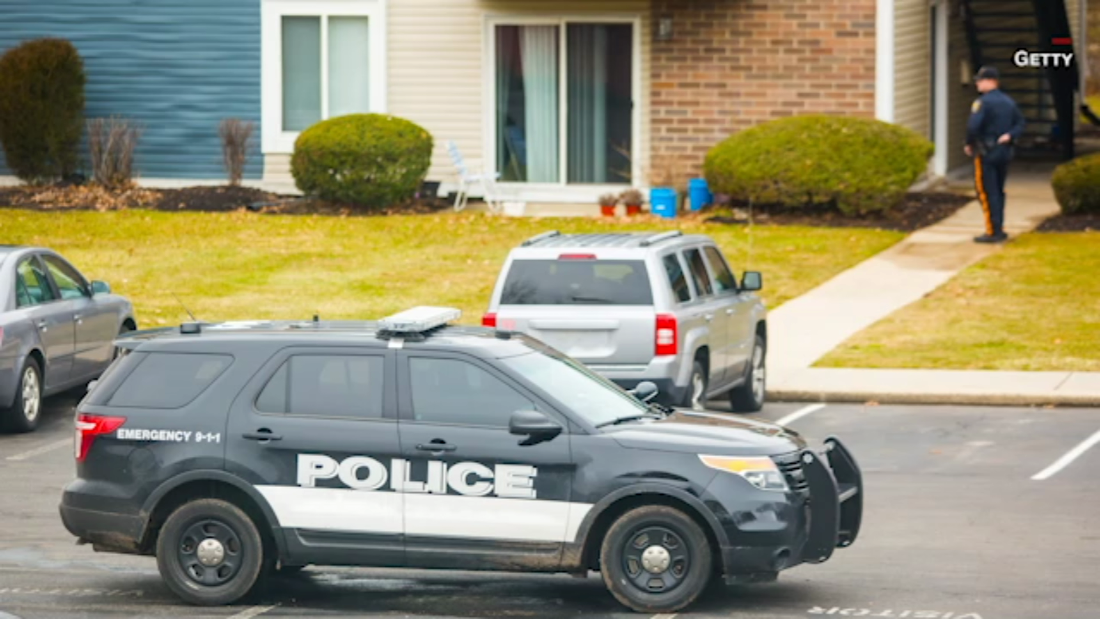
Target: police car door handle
{"x": 263, "y": 434}
{"x": 435, "y": 447}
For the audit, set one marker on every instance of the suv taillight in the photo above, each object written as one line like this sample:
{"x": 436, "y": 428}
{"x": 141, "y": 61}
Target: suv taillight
{"x": 666, "y": 335}
{"x": 88, "y": 427}
{"x": 489, "y": 320}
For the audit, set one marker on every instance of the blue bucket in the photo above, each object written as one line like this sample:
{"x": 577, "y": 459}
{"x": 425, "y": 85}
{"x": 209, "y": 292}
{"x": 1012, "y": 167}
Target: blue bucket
{"x": 662, "y": 201}
{"x": 699, "y": 193}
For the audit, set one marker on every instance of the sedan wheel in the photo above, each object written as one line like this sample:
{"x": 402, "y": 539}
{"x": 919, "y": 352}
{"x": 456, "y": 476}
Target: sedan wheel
{"x": 32, "y": 395}
{"x": 24, "y": 412}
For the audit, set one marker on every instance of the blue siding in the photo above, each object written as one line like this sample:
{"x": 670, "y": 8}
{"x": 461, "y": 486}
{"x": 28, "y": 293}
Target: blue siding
{"x": 176, "y": 66}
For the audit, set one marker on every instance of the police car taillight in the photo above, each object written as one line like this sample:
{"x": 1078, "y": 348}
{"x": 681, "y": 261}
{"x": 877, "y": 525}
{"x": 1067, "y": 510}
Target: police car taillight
{"x": 88, "y": 427}
{"x": 665, "y": 335}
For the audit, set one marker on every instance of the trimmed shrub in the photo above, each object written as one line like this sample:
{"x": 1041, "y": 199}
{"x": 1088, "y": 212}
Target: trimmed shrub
{"x": 857, "y": 165}
{"x": 371, "y": 160}
{"x": 1077, "y": 185}
{"x": 41, "y": 109}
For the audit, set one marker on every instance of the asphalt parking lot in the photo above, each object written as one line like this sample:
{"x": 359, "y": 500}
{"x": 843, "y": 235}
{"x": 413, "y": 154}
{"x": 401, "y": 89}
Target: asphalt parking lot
{"x": 954, "y": 528}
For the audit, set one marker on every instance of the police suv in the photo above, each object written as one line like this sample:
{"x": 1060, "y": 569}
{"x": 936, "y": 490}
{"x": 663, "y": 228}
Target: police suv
{"x": 232, "y": 450}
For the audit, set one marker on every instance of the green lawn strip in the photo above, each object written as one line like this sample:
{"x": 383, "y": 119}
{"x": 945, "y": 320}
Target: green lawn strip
{"x": 1035, "y": 305}
{"x": 234, "y": 266}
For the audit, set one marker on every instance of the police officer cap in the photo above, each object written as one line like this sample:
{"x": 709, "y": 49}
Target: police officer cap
{"x": 987, "y": 73}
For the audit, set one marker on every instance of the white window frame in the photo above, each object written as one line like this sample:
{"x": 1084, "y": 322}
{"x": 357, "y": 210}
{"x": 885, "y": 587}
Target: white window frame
{"x": 273, "y": 139}
{"x": 561, "y": 191}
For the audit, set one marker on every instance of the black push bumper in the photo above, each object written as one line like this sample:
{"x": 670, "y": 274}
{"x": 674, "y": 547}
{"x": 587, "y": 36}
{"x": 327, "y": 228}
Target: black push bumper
{"x": 835, "y": 501}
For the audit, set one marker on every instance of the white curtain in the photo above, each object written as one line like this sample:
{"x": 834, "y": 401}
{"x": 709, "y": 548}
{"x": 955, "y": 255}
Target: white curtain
{"x": 348, "y": 65}
{"x": 587, "y": 72}
{"x": 539, "y": 49}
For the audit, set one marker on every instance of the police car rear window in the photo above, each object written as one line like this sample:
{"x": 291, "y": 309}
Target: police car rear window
{"x": 168, "y": 380}
{"x": 326, "y": 386}
{"x": 571, "y": 281}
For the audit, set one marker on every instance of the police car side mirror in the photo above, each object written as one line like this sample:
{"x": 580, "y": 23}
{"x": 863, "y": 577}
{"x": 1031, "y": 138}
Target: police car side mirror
{"x": 534, "y": 425}
{"x": 644, "y": 391}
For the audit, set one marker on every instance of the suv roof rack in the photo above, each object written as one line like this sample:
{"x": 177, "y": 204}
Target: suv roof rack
{"x": 539, "y": 237}
{"x": 416, "y": 323}
{"x": 657, "y": 238}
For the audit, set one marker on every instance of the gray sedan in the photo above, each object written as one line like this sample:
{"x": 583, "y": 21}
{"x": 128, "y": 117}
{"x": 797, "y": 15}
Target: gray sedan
{"x": 56, "y": 331}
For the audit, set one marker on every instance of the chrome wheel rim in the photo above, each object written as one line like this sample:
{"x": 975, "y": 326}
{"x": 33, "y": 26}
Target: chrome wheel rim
{"x": 32, "y": 395}
{"x": 697, "y": 389}
{"x": 758, "y": 374}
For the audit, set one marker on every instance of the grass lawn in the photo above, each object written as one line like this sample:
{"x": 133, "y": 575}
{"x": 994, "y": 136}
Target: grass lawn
{"x": 244, "y": 265}
{"x": 1035, "y": 305}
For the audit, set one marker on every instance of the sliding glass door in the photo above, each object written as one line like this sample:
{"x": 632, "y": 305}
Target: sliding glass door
{"x": 576, "y": 76}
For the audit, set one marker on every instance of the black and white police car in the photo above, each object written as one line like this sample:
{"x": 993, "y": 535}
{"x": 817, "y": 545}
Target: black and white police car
{"x": 232, "y": 450}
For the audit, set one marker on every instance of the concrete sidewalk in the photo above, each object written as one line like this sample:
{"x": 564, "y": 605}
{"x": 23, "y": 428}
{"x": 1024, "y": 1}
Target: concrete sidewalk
{"x": 803, "y": 330}
{"x": 939, "y": 387}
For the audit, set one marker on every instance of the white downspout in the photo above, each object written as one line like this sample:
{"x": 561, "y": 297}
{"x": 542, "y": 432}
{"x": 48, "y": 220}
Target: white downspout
{"x": 884, "y": 60}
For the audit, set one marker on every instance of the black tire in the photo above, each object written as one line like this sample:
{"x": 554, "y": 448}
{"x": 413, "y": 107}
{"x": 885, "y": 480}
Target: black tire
{"x": 178, "y": 556}
{"x": 123, "y": 330}
{"x": 749, "y": 396}
{"x": 26, "y": 408}
{"x": 694, "y": 389}
{"x": 650, "y": 527}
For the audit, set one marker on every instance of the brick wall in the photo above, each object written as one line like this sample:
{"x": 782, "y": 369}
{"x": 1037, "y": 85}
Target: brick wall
{"x": 734, "y": 63}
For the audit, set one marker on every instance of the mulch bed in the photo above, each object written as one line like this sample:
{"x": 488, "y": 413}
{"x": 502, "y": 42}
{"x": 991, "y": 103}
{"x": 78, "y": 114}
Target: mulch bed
{"x": 920, "y": 209}
{"x": 1080, "y": 222}
{"x": 215, "y": 199}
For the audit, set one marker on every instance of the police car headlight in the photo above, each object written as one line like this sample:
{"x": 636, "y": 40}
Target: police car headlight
{"x": 760, "y": 472}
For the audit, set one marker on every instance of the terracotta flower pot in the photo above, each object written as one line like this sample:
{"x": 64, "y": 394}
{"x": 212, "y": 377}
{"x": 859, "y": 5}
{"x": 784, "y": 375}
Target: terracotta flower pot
{"x": 633, "y": 209}
{"x": 607, "y": 211}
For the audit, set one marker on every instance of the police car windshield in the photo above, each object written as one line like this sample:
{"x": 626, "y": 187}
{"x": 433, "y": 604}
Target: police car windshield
{"x": 584, "y": 392}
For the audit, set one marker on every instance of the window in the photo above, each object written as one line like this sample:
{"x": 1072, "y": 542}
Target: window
{"x": 36, "y": 286}
{"x": 699, "y": 272}
{"x": 585, "y": 70}
{"x": 320, "y": 59}
{"x": 577, "y": 282}
{"x": 169, "y": 380}
{"x": 459, "y": 392}
{"x": 676, "y": 278}
{"x": 723, "y": 278}
{"x": 326, "y": 386}
{"x": 70, "y": 283}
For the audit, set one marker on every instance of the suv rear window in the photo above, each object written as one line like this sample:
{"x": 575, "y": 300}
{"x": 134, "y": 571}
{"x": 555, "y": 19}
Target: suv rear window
{"x": 577, "y": 282}
{"x": 168, "y": 380}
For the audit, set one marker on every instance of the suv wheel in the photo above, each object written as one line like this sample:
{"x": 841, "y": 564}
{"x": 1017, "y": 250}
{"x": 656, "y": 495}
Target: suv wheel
{"x": 748, "y": 397}
{"x": 696, "y": 396}
{"x": 27, "y": 406}
{"x": 655, "y": 559}
{"x": 210, "y": 553}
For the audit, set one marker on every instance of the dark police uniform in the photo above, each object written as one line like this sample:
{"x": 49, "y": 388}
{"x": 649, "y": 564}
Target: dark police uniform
{"x": 991, "y": 116}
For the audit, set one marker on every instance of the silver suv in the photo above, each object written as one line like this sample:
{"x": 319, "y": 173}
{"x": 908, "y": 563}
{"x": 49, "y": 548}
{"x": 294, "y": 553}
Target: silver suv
{"x": 663, "y": 308}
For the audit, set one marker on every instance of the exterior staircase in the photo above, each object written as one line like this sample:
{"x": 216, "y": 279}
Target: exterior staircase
{"x": 995, "y": 30}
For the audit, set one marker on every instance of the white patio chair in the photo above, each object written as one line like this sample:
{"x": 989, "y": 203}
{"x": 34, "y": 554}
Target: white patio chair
{"x": 466, "y": 179}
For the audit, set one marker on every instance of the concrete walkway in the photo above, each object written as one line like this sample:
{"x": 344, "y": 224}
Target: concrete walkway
{"x": 804, "y": 329}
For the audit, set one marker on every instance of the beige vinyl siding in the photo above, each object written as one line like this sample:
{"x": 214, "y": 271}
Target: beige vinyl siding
{"x": 437, "y": 66}
{"x": 913, "y": 66}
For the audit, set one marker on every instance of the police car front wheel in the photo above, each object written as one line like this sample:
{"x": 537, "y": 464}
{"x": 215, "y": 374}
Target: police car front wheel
{"x": 210, "y": 553}
{"x": 656, "y": 559}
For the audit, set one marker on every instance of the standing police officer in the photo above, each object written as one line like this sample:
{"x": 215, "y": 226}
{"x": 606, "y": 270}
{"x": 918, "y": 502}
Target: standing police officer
{"x": 995, "y": 125}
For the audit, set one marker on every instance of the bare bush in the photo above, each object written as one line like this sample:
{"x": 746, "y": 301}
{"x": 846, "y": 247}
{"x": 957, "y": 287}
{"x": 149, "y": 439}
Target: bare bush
{"x": 236, "y": 138}
{"x": 112, "y": 142}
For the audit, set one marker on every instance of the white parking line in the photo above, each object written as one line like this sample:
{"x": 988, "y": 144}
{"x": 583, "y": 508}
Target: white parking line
{"x": 41, "y": 450}
{"x": 799, "y": 414}
{"x": 672, "y": 616}
{"x": 254, "y": 611}
{"x": 1068, "y": 458}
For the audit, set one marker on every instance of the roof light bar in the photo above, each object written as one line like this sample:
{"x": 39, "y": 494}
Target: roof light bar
{"x": 419, "y": 319}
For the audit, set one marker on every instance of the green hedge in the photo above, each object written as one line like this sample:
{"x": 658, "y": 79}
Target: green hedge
{"x": 41, "y": 109}
{"x": 1077, "y": 185}
{"x": 371, "y": 160}
{"x": 857, "y": 165}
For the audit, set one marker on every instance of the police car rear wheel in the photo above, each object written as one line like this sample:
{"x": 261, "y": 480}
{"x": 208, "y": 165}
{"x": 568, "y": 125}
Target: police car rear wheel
{"x": 210, "y": 553}
{"x": 655, "y": 559}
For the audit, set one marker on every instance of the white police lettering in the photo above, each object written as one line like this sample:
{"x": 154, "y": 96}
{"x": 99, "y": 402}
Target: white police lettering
{"x": 515, "y": 481}
{"x": 1037, "y": 60}
{"x": 212, "y": 437}
{"x": 162, "y": 436}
